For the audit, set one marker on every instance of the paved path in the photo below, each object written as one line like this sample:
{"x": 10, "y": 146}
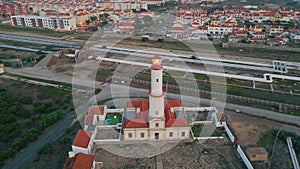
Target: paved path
{"x": 51, "y": 134}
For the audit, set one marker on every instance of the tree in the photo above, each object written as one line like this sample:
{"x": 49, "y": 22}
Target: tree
{"x": 106, "y": 15}
{"x": 26, "y": 100}
{"x": 101, "y": 16}
{"x": 193, "y": 57}
{"x": 93, "y": 18}
{"x": 143, "y": 10}
{"x": 160, "y": 40}
{"x": 87, "y": 22}
{"x": 144, "y": 39}
{"x": 248, "y": 23}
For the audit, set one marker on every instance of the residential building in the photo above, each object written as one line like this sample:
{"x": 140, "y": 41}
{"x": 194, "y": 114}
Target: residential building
{"x": 82, "y": 161}
{"x": 56, "y": 23}
{"x": 275, "y": 29}
{"x": 124, "y": 27}
{"x": 219, "y": 31}
{"x": 82, "y": 142}
{"x": 295, "y": 35}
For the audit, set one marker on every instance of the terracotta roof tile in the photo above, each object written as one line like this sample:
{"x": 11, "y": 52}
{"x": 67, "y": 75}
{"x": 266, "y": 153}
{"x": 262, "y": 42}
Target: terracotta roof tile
{"x": 80, "y": 161}
{"x": 96, "y": 110}
{"x": 82, "y": 139}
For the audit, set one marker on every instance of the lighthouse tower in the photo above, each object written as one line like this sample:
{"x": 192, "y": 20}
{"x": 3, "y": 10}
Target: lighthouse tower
{"x": 156, "y": 100}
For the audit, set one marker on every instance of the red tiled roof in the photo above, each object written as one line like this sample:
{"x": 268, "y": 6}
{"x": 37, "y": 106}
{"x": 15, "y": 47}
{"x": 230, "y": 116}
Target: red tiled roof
{"x": 136, "y": 123}
{"x": 88, "y": 120}
{"x": 96, "y": 110}
{"x": 82, "y": 139}
{"x": 177, "y": 122}
{"x": 142, "y": 104}
{"x": 80, "y": 161}
{"x": 141, "y": 120}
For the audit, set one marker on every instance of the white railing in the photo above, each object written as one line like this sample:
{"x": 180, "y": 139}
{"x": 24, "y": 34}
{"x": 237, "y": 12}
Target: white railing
{"x": 200, "y": 109}
{"x": 114, "y": 110}
{"x": 244, "y": 158}
{"x": 202, "y": 122}
{"x": 207, "y": 138}
{"x": 230, "y": 135}
{"x": 292, "y": 153}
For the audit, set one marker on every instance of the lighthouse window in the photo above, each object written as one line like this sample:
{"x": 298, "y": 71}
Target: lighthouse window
{"x": 156, "y": 80}
{"x": 156, "y": 124}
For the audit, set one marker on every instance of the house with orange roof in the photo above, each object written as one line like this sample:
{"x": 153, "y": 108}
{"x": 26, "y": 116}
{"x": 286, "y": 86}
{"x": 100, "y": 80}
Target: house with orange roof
{"x": 82, "y": 161}
{"x": 83, "y": 142}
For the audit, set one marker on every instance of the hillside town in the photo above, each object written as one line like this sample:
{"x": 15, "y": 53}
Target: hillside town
{"x": 247, "y": 24}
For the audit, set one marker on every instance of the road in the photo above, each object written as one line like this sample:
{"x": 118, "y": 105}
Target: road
{"x": 24, "y": 49}
{"x": 267, "y": 78}
{"x": 186, "y": 59}
{"x": 51, "y": 134}
{"x": 44, "y": 41}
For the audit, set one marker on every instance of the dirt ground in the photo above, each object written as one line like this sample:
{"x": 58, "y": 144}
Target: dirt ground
{"x": 88, "y": 69}
{"x": 14, "y": 54}
{"x": 209, "y": 155}
{"x": 249, "y": 129}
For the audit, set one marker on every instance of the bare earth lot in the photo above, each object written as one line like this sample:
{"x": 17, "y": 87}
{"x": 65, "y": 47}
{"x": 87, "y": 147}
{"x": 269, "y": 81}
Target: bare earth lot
{"x": 219, "y": 154}
{"x": 253, "y": 131}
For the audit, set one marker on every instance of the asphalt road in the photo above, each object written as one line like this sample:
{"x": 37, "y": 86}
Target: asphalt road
{"x": 51, "y": 134}
{"x": 44, "y": 41}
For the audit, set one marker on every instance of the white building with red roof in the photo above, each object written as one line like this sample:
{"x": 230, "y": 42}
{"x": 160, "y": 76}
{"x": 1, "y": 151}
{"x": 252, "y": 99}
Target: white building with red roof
{"x": 82, "y": 161}
{"x": 124, "y": 27}
{"x": 156, "y": 119}
{"x": 83, "y": 142}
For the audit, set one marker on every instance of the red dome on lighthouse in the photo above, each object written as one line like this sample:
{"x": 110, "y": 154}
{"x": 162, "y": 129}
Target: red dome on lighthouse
{"x": 156, "y": 63}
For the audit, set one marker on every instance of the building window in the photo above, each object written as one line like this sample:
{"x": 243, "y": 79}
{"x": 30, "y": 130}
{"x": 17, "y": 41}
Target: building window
{"x": 156, "y": 80}
{"x": 253, "y": 156}
{"x": 171, "y": 134}
{"x": 156, "y": 124}
{"x": 142, "y": 135}
{"x": 156, "y": 112}
{"x": 182, "y": 134}
{"x": 130, "y": 135}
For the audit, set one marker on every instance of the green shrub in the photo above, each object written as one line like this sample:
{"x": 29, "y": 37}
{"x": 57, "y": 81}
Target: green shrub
{"x": 26, "y": 100}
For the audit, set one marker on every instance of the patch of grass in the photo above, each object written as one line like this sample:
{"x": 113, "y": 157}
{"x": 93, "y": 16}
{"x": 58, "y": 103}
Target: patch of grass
{"x": 112, "y": 115}
{"x": 176, "y": 73}
{"x": 201, "y": 77}
{"x": 267, "y": 140}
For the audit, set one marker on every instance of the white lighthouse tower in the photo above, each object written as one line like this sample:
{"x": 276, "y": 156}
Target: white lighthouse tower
{"x": 156, "y": 101}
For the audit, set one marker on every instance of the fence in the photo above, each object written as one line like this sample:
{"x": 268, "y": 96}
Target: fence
{"x": 245, "y": 45}
{"x": 230, "y": 135}
{"x": 292, "y": 153}
{"x": 244, "y": 158}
